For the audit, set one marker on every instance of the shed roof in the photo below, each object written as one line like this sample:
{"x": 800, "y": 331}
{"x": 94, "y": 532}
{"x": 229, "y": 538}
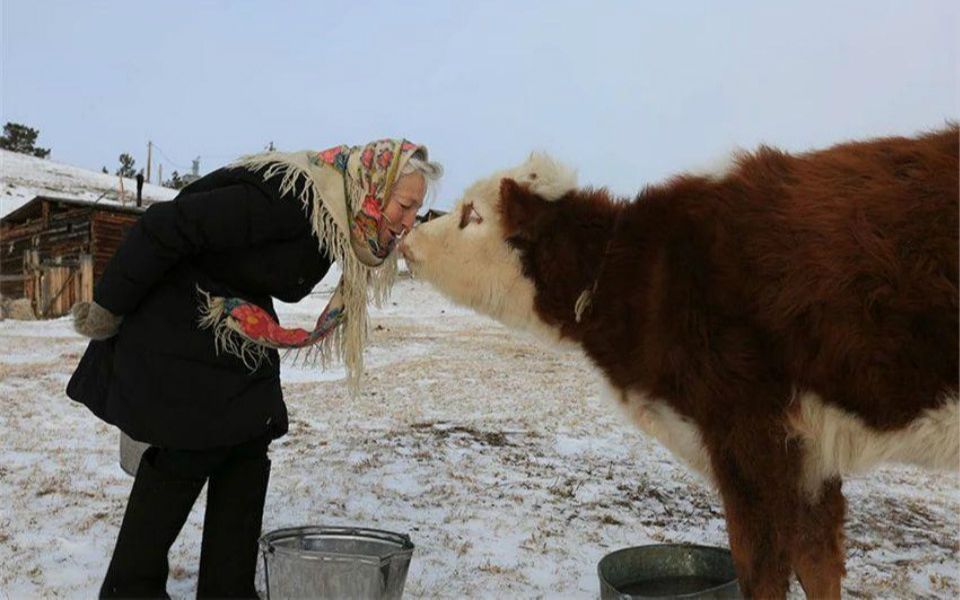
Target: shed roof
{"x": 33, "y": 208}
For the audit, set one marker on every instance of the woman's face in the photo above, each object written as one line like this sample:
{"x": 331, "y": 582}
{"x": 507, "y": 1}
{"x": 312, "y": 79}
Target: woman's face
{"x": 405, "y": 200}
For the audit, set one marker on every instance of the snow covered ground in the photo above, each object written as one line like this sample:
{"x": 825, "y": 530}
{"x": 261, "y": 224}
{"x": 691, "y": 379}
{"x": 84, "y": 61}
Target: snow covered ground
{"x": 500, "y": 460}
{"x": 22, "y": 177}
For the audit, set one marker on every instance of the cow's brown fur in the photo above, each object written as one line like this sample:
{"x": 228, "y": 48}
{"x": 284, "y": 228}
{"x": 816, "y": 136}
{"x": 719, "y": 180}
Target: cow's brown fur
{"x": 833, "y": 272}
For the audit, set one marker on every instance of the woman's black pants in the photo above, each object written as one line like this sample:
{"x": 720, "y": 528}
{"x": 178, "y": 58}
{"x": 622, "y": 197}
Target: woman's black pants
{"x": 167, "y": 484}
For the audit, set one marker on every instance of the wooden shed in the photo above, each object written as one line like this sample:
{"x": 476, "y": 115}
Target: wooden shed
{"x": 53, "y": 249}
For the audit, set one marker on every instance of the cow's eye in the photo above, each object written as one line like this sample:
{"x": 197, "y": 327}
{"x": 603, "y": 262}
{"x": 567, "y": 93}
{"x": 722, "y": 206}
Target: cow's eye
{"x": 475, "y": 216}
{"x": 469, "y": 215}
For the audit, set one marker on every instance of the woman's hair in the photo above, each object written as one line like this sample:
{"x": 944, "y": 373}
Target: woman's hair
{"x": 431, "y": 171}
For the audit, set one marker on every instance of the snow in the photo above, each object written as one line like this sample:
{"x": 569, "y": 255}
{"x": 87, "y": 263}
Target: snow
{"x": 24, "y": 177}
{"x": 498, "y": 457}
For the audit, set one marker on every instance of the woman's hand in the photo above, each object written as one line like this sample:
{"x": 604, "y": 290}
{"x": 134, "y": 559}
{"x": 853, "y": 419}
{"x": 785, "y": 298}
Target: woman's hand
{"x": 94, "y": 321}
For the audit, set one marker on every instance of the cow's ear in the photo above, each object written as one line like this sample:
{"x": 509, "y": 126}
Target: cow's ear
{"x": 519, "y": 207}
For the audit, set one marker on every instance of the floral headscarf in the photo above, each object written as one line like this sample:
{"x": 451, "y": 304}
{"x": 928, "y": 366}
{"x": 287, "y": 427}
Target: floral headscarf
{"x": 373, "y": 172}
{"x": 344, "y": 189}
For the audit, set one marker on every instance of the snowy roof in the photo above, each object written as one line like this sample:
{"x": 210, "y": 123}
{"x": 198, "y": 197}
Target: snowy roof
{"x": 24, "y": 177}
{"x": 32, "y": 209}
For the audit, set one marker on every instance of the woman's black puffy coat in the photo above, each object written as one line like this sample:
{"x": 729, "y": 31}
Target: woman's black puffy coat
{"x": 160, "y": 378}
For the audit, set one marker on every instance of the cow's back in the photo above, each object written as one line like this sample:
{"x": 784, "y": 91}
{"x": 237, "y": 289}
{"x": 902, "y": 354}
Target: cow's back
{"x": 850, "y": 260}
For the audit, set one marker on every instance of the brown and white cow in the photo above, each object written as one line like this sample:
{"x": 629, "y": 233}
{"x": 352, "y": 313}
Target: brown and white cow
{"x": 777, "y": 326}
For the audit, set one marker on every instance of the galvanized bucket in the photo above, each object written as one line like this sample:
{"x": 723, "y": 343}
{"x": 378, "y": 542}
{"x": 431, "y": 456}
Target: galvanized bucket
{"x": 668, "y": 571}
{"x": 335, "y": 562}
{"x": 130, "y": 452}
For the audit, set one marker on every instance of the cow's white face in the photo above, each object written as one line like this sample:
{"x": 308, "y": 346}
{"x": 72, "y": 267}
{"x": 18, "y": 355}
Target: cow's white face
{"x": 464, "y": 254}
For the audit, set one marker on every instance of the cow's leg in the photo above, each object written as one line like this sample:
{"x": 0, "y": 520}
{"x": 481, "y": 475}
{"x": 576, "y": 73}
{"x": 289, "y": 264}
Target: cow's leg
{"x": 757, "y": 469}
{"x": 818, "y": 556}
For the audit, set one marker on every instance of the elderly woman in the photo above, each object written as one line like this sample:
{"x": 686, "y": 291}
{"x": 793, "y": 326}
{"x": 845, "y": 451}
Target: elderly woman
{"x": 185, "y": 340}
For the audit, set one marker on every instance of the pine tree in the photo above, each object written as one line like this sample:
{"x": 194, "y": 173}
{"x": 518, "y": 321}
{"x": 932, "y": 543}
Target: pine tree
{"x": 175, "y": 181}
{"x": 22, "y": 139}
{"x": 126, "y": 166}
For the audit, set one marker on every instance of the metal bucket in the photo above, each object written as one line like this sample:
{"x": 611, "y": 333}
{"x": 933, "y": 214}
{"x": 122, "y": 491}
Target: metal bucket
{"x": 130, "y": 452}
{"x": 335, "y": 562}
{"x": 668, "y": 571}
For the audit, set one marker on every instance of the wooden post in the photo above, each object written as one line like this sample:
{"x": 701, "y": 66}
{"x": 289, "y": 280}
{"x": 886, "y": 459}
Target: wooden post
{"x": 76, "y": 289}
{"x": 48, "y": 285}
{"x": 86, "y": 278}
{"x": 31, "y": 287}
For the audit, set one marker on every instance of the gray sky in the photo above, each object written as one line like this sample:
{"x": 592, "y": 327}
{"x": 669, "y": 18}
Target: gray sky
{"x": 627, "y": 92}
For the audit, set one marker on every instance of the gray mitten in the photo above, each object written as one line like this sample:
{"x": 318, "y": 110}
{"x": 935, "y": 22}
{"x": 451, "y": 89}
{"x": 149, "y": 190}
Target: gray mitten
{"x": 94, "y": 321}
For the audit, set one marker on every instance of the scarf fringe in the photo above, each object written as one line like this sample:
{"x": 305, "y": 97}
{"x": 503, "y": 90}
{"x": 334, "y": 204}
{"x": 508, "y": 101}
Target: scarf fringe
{"x": 359, "y": 282}
{"x": 226, "y": 338}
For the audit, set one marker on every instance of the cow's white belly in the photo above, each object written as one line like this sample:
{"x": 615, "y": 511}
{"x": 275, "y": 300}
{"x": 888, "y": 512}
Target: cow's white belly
{"x": 835, "y": 443}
